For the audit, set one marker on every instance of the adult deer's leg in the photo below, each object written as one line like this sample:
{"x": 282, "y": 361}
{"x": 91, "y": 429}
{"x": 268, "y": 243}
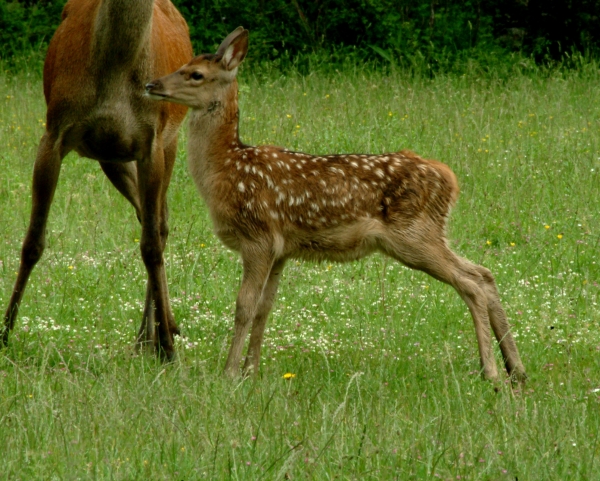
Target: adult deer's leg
{"x": 257, "y": 266}
{"x": 124, "y": 177}
{"x": 262, "y": 314}
{"x": 170, "y": 154}
{"x": 152, "y": 189}
{"x": 45, "y": 177}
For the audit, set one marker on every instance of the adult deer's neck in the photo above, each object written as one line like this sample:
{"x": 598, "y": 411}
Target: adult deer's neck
{"x": 121, "y": 32}
{"x": 213, "y": 136}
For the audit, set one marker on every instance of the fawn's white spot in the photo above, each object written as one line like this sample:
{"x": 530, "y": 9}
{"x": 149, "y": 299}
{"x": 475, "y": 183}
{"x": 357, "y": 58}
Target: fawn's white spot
{"x": 241, "y": 187}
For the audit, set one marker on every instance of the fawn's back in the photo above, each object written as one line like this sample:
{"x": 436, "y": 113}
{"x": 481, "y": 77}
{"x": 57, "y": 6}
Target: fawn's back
{"x": 334, "y": 206}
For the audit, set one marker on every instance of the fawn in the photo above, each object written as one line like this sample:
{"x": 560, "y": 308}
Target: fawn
{"x": 271, "y": 204}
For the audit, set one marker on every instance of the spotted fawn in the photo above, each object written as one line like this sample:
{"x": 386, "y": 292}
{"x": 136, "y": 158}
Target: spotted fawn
{"x": 271, "y": 204}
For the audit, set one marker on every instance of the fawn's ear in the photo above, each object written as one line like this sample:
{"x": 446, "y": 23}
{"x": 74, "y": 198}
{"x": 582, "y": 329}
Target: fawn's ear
{"x": 234, "y": 48}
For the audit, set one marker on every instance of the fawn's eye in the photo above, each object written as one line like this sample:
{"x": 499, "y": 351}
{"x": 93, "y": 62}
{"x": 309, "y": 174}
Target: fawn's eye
{"x": 197, "y": 76}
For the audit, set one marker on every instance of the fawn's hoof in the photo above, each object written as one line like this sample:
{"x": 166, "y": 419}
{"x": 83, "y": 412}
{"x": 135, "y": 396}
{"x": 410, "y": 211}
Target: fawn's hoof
{"x": 518, "y": 376}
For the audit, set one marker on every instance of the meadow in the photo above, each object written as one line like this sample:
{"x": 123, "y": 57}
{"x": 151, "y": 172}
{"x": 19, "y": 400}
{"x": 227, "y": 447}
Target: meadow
{"x": 370, "y": 370}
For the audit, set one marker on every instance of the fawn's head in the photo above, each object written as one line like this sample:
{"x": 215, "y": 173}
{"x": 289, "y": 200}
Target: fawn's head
{"x": 204, "y": 80}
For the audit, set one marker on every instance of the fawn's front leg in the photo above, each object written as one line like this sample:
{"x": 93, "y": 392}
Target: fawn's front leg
{"x": 252, "y": 361}
{"x": 257, "y": 266}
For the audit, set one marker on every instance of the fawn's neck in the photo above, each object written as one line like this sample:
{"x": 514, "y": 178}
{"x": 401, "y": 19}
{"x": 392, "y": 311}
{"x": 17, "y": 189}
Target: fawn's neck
{"x": 213, "y": 135}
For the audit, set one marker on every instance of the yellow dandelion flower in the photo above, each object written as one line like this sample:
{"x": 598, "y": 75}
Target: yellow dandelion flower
{"x": 546, "y": 226}
{"x": 512, "y": 244}
{"x": 71, "y": 268}
{"x": 329, "y": 267}
{"x": 202, "y": 245}
{"x": 289, "y": 116}
{"x": 289, "y": 375}
{"x": 559, "y": 236}
{"x": 489, "y": 242}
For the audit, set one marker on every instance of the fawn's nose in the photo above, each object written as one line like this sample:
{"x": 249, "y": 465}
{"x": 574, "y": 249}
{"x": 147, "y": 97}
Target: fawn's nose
{"x": 155, "y": 84}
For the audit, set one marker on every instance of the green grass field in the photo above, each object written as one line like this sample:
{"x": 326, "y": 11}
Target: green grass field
{"x": 385, "y": 360}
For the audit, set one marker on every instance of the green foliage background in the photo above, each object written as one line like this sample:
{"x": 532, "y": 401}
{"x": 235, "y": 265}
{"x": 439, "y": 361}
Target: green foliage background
{"x": 437, "y": 34}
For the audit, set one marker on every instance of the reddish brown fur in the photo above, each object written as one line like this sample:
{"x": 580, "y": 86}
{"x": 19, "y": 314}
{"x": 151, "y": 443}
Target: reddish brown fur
{"x": 96, "y": 66}
{"x": 271, "y": 204}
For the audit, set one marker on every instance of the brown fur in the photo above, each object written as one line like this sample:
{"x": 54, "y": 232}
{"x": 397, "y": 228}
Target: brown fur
{"x": 271, "y": 204}
{"x": 97, "y": 63}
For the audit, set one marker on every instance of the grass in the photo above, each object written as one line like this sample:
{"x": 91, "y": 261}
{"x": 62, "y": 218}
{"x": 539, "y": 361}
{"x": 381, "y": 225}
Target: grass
{"x": 386, "y": 381}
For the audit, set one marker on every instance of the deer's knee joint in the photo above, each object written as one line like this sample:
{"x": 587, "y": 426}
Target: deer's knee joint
{"x": 164, "y": 229}
{"x": 32, "y": 251}
{"x": 151, "y": 252}
{"x": 487, "y": 275}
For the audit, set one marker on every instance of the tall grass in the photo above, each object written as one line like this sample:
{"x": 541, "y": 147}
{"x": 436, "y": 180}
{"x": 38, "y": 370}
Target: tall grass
{"x": 386, "y": 381}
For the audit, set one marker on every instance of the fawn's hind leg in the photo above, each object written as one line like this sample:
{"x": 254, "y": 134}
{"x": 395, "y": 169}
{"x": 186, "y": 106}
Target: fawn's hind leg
{"x": 436, "y": 259}
{"x": 501, "y": 328}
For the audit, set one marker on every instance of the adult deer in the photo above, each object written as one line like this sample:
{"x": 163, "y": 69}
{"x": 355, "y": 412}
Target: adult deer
{"x": 271, "y": 204}
{"x": 97, "y": 63}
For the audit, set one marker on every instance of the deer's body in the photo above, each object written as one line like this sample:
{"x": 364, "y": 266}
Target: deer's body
{"x": 271, "y": 204}
{"x": 332, "y": 207}
{"x": 96, "y": 66}
{"x": 97, "y": 63}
